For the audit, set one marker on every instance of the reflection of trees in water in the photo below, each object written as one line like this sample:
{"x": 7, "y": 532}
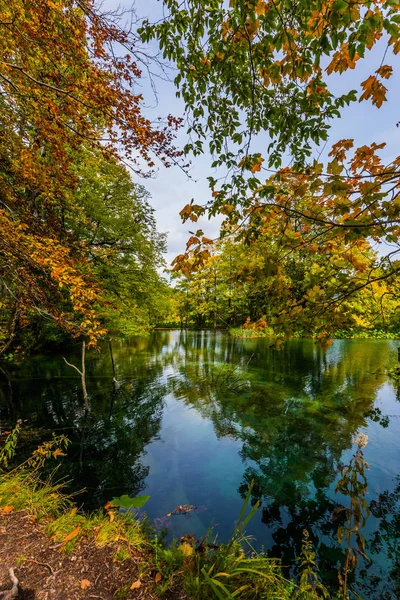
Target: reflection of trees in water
{"x": 294, "y": 418}
{"x": 299, "y": 413}
{"x": 387, "y": 537}
{"x": 107, "y": 444}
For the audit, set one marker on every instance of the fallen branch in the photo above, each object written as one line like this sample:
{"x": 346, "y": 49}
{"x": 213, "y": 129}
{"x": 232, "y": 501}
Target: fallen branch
{"x": 13, "y": 593}
{"x": 37, "y": 562}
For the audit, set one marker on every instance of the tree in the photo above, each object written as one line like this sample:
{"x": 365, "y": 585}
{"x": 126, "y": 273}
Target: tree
{"x": 116, "y": 226}
{"x": 262, "y": 281}
{"x": 64, "y": 88}
{"x": 264, "y": 67}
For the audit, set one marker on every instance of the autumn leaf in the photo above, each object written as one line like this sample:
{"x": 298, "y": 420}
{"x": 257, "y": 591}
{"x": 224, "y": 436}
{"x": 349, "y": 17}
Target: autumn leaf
{"x": 136, "y": 585}
{"x": 186, "y": 549}
{"x": 70, "y": 536}
{"x": 111, "y": 515}
{"x": 58, "y": 452}
{"x": 373, "y": 89}
{"x": 85, "y": 583}
{"x": 7, "y": 509}
{"x": 158, "y": 577}
{"x": 257, "y": 163}
{"x": 385, "y": 71}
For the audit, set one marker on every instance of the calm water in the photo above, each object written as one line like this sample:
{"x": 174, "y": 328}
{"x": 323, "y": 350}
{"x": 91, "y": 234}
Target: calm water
{"x": 198, "y": 415}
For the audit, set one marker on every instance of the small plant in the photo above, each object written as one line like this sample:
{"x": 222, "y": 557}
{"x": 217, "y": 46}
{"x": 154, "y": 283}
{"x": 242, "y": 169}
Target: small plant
{"x": 51, "y": 449}
{"x": 353, "y": 484}
{"x": 7, "y": 453}
{"x": 310, "y": 584}
{"x": 122, "y": 553}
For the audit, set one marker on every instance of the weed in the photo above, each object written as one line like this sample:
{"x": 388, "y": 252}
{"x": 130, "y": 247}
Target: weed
{"x": 353, "y": 484}
{"x": 7, "y": 453}
{"x": 121, "y": 554}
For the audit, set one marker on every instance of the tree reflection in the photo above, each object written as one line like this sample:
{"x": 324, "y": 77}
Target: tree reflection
{"x": 107, "y": 443}
{"x": 296, "y": 415}
{"x": 293, "y": 414}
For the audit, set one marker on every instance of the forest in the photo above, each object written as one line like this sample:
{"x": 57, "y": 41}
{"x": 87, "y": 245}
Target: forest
{"x": 200, "y": 207}
{"x": 300, "y": 249}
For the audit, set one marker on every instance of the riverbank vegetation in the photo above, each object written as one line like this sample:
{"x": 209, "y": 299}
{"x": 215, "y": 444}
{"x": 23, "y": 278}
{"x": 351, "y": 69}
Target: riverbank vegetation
{"x": 248, "y": 289}
{"x": 139, "y": 560}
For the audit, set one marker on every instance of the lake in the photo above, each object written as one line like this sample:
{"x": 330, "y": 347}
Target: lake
{"x": 196, "y": 416}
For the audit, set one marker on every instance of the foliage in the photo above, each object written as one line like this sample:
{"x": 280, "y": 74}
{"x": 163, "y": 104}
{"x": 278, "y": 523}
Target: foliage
{"x": 116, "y": 224}
{"x": 259, "y": 286}
{"x": 254, "y": 68}
{"x": 127, "y": 502}
{"x": 65, "y": 91}
{"x": 7, "y": 452}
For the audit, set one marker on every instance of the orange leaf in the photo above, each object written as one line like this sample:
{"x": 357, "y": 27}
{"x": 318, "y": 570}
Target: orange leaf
{"x": 111, "y": 515}
{"x": 85, "y": 583}
{"x": 136, "y": 585}
{"x": 385, "y": 71}
{"x": 8, "y": 509}
{"x": 158, "y": 577}
{"x": 256, "y": 166}
{"x": 71, "y": 536}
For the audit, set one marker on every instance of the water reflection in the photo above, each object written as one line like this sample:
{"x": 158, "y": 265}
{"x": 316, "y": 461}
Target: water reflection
{"x": 197, "y": 416}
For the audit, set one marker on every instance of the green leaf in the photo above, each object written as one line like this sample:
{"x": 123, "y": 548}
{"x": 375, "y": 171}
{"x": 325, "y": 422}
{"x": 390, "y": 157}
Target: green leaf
{"x": 127, "y": 502}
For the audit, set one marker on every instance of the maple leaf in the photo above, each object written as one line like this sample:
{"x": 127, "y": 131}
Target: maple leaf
{"x": 385, "y": 71}
{"x": 374, "y": 89}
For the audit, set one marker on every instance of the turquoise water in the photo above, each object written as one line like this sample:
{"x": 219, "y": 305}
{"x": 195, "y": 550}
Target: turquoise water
{"x": 196, "y": 416}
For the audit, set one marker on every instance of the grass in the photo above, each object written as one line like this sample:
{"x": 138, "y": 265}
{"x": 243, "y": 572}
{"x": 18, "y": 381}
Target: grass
{"x": 202, "y": 569}
{"x": 198, "y": 569}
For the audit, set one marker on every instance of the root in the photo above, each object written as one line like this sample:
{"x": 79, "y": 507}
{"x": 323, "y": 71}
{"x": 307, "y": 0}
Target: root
{"x": 13, "y": 593}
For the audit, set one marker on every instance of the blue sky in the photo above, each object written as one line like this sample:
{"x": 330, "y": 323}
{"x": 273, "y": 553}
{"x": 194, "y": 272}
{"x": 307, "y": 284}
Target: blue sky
{"x": 171, "y": 189}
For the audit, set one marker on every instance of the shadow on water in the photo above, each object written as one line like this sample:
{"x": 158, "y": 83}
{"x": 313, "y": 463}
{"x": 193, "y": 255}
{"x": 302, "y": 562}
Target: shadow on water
{"x": 196, "y": 416}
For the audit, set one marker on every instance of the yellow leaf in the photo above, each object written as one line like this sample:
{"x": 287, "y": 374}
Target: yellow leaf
{"x": 85, "y": 583}
{"x": 261, "y": 7}
{"x": 256, "y": 166}
{"x": 186, "y": 549}
{"x": 58, "y": 452}
{"x": 136, "y": 585}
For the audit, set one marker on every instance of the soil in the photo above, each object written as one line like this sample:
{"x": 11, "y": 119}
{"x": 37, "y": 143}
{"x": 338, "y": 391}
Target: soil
{"x": 45, "y": 573}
